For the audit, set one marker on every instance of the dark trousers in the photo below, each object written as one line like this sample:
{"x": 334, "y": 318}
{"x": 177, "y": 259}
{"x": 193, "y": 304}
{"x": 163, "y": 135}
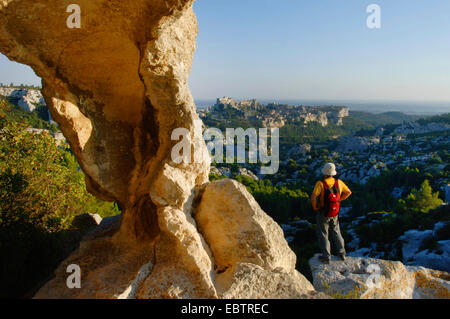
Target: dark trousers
{"x": 326, "y": 225}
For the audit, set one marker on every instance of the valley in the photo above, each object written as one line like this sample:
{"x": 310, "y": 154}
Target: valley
{"x": 385, "y": 165}
{"x": 386, "y": 159}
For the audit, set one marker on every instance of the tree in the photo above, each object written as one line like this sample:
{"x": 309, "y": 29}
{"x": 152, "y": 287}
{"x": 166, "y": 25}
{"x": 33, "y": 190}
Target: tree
{"x": 422, "y": 200}
{"x": 52, "y": 189}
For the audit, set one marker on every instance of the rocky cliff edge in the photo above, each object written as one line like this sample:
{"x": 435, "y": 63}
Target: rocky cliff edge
{"x": 367, "y": 278}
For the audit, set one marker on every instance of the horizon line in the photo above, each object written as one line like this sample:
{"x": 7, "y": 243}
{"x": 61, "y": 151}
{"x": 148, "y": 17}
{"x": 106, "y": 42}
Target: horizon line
{"x": 325, "y": 99}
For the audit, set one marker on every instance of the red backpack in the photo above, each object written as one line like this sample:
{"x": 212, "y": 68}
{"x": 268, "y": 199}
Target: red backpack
{"x": 332, "y": 199}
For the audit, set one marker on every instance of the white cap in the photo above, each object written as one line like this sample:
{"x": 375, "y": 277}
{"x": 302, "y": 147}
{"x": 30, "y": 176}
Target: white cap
{"x": 329, "y": 169}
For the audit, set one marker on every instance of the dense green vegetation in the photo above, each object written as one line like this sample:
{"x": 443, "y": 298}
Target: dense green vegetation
{"x": 422, "y": 200}
{"x": 36, "y": 119}
{"x": 298, "y": 133}
{"x": 231, "y": 118}
{"x": 21, "y": 86}
{"x": 41, "y": 191}
{"x": 443, "y": 118}
{"x": 389, "y": 226}
{"x": 376, "y": 195}
{"x": 383, "y": 118}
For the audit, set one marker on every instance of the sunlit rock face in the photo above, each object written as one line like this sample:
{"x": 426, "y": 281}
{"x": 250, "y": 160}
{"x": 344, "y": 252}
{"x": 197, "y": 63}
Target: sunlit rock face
{"x": 25, "y": 98}
{"x": 118, "y": 88}
{"x": 368, "y": 278}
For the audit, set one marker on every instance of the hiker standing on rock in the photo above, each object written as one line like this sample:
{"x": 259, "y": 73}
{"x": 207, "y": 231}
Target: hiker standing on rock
{"x": 326, "y": 200}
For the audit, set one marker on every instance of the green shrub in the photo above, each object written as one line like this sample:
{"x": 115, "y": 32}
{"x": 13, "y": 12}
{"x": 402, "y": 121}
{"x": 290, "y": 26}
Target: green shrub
{"x": 422, "y": 200}
{"x": 41, "y": 191}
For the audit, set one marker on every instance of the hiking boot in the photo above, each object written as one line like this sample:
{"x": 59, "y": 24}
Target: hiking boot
{"x": 343, "y": 257}
{"x": 324, "y": 260}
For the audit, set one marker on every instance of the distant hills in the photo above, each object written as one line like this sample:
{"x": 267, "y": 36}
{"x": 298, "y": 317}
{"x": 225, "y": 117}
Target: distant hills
{"x": 303, "y": 124}
{"x": 279, "y": 115}
{"x": 384, "y": 118}
{"x": 273, "y": 114}
{"x": 421, "y": 108}
{"x": 297, "y": 123}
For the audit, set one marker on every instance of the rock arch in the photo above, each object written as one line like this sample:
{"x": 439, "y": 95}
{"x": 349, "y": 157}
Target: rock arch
{"x": 118, "y": 87}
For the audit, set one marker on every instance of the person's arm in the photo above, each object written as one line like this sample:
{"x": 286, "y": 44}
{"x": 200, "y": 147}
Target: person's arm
{"x": 346, "y": 192}
{"x": 315, "y": 196}
{"x": 345, "y": 195}
{"x": 314, "y": 199}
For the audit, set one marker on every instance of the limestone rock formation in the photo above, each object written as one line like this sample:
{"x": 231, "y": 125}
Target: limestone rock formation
{"x": 25, "y": 98}
{"x": 299, "y": 151}
{"x": 275, "y": 115}
{"x": 367, "y": 278}
{"x": 247, "y": 246}
{"x": 249, "y": 281}
{"x": 238, "y": 231}
{"x": 118, "y": 88}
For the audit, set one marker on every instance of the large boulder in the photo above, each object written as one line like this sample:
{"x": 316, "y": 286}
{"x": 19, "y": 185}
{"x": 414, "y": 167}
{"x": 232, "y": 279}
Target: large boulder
{"x": 250, "y": 281}
{"x": 252, "y": 257}
{"x": 238, "y": 231}
{"x": 368, "y": 278}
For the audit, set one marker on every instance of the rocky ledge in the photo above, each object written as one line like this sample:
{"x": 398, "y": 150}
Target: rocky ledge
{"x": 229, "y": 248}
{"x": 367, "y": 278}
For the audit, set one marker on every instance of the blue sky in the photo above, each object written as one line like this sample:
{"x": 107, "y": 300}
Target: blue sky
{"x": 321, "y": 49}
